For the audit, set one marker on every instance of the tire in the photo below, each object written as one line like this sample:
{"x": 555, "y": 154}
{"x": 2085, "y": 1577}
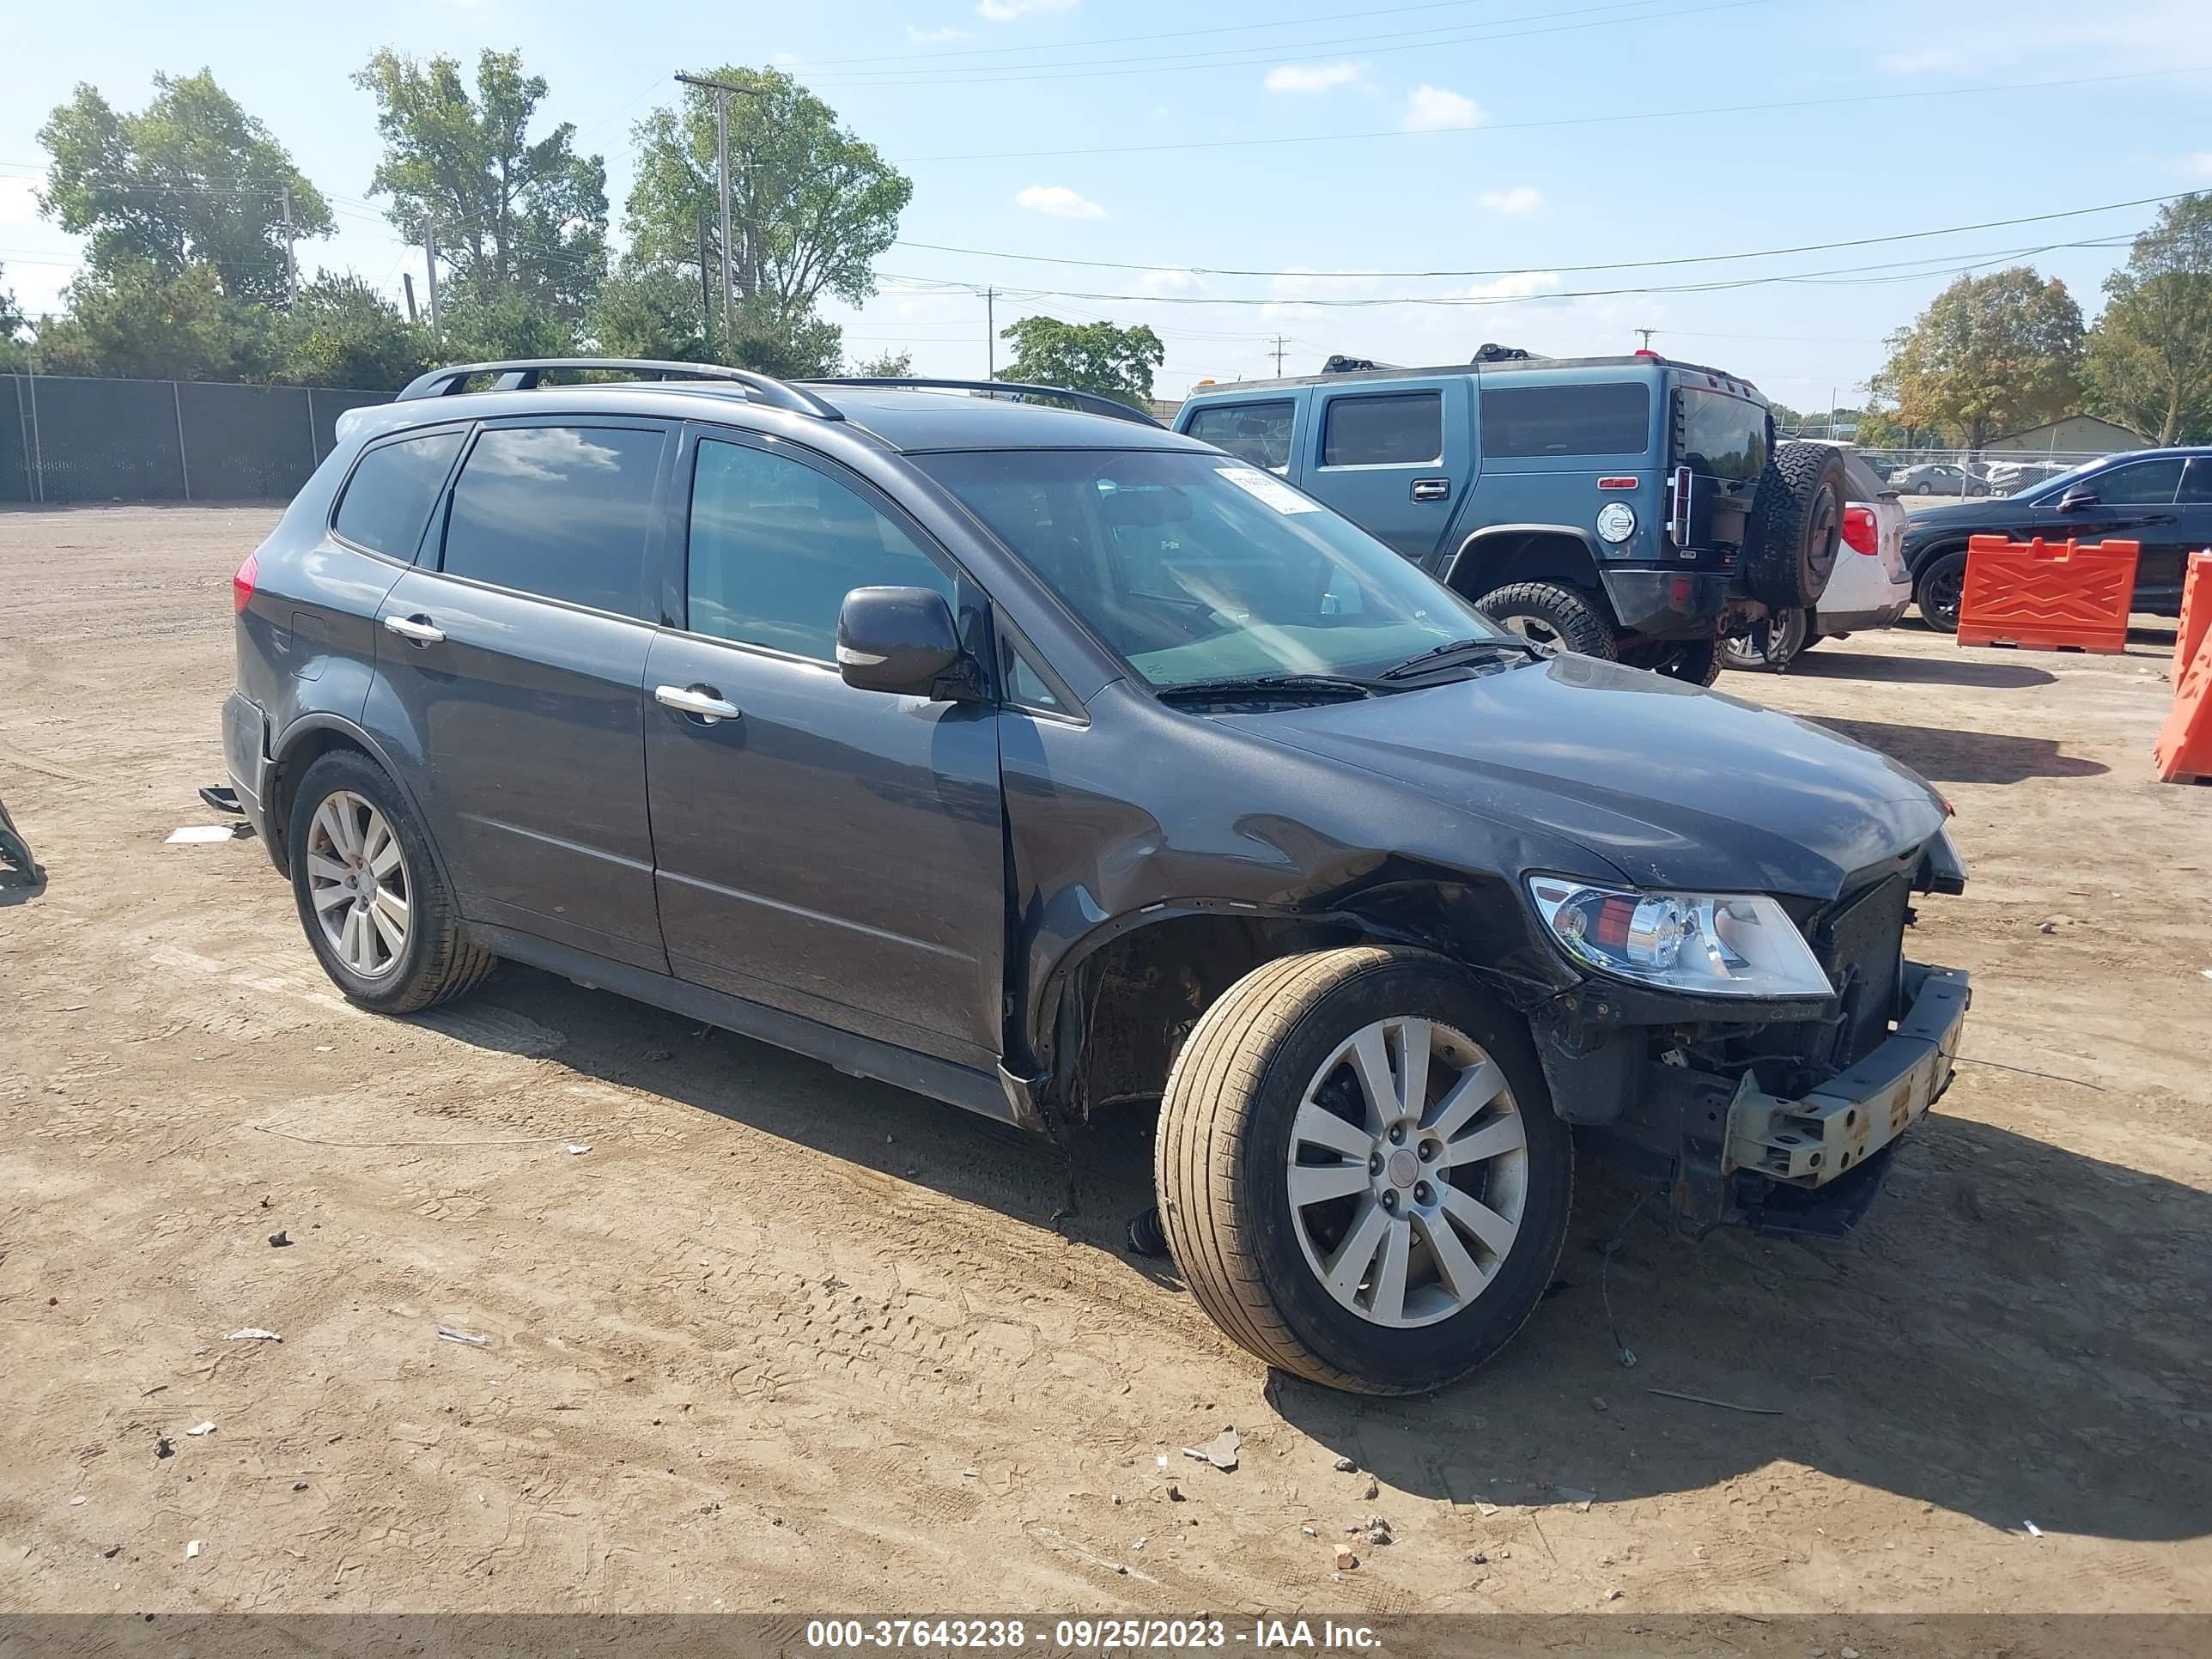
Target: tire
{"x": 1786, "y": 640}
{"x": 1233, "y": 1119}
{"x": 1937, "y": 590}
{"x": 1552, "y": 617}
{"x": 431, "y": 962}
{"x": 1796, "y": 525}
{"x": 1698, "y": 662}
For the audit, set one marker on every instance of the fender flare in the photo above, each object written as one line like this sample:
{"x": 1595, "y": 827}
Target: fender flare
{"x": 322, "y": 719}
{"x": 1587, "y": 540}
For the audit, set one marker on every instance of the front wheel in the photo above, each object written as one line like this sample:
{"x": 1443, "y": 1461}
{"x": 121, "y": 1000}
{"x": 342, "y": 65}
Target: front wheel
{"x": 1940, "y": 588}
{"x": 1360, "y": 1174}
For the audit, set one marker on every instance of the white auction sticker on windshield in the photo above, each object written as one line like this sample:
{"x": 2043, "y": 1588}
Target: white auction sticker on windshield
{"x": 1273, "y": 491}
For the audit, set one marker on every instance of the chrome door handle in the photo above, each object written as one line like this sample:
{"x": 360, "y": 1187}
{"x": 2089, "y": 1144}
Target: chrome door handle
{"x": 410, "y": 628}
{"x": 701, "y": 700}
{"x": 1431, "y": 490}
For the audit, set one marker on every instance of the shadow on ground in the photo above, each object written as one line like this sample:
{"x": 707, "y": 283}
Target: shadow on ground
{"x": 2015, "y": 1332}
{"x": 1917, "y": 670}
{"x": 1943, "y": 755}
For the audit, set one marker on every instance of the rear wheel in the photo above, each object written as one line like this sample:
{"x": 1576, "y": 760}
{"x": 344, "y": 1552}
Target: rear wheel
{"x": 1786, "y": 639}
{"x": 369, "y": 894}
{"x": 1942, "y": 584}
{"x": 1360, "y": 1174}
{"x": 1796, "y": 525}
{"x": 1552, "y": 617}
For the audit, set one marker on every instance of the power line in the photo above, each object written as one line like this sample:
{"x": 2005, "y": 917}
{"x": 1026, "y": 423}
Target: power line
{"x": 1514, "y": 271}
{"x": 1791, "y": 104}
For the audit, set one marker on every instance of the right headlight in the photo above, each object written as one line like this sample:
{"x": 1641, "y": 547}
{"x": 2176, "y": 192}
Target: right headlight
{"x": 1710, "y": 945}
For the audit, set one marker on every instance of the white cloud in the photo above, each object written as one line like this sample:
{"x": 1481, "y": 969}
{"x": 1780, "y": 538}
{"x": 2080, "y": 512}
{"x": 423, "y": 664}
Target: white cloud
{"x": 1920, "y": 63}
{"x": 931, "y": 37}
{"x": 1310, "y": 77}
{"x": 1167, "y": 281}
{"x": 1520, "y": 285}
{"x": 1439, "y": 109}
{"x": 1521, "y": 198}
{"x": 1058, "y": 202}
{"x": 2199, "y": 165}
{"x": 1006, "y": 11}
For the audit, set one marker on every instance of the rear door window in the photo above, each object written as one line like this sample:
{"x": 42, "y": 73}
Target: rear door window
{"x": 1392, "y": 428}
{"x": 776, "y": 545}
{"x": 2197, "y": 484}
{"x": 1258, "y": 433}
{"x": 564, "y": 512}
{"x": 1523, "y": 421}
{"x": 387, "y": 501}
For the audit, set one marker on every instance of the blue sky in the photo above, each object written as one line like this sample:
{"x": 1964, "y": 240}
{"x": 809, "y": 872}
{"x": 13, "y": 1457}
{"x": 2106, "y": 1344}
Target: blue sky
{"x": 1504, "y": 136}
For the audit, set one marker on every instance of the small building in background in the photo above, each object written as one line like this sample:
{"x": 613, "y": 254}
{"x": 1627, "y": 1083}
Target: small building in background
{"x": 2071, "y": 434}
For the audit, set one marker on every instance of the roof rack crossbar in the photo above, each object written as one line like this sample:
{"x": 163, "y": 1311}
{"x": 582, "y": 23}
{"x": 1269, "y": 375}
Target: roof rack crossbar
{"x": 526, "y": 373}
{"x": 1091, "y": 402}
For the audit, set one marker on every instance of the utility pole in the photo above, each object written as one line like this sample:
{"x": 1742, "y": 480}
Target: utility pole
{"x": 706, "y": 299}
{"x": 430, "y": 260}
{"x": 1279, "y": 357}
{"x": 1644, "y": 338}
{"x": 291, "y": 261}
{"x": 722, "y": 89}
{"x": 407, "y": 281}
{"x": 990, "y": 334}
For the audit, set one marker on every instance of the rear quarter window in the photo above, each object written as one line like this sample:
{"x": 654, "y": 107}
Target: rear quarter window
{"x": 1525, "y": 422}
{"x": 387, "y": 501}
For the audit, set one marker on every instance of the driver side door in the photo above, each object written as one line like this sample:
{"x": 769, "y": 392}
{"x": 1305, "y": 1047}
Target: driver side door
{"x": 2135, "y": 502}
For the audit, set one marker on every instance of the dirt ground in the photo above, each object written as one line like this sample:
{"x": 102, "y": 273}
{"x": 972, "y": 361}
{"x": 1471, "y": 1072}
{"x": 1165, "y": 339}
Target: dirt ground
{"x": 781, "y": 1340}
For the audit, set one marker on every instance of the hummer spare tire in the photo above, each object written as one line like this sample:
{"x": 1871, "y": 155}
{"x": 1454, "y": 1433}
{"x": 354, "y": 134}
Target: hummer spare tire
{"x": 1797, "y": 524}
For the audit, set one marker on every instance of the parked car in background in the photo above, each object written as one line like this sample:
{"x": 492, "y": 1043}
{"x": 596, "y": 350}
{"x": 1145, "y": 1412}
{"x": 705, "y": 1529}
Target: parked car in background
{"x": 1055, "y": 766}
{"x": 1623, "y": 507}
{"x": 2010, "y": 478}
{"x": 1868, "y": 588}
{"x": 2162, "y": 498}
{"x": 1936, "y": 478}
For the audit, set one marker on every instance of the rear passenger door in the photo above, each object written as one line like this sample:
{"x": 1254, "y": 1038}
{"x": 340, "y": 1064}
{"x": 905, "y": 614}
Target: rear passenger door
{"x": 511, "y": 668}
{"x": 2161, "y": 584}
{"x": 1395, "y": 461}
{"x": 833, "y": 853}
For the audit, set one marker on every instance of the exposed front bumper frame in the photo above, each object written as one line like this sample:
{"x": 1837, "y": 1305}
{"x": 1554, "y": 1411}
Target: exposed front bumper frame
{"x": 1836, "y": 1127}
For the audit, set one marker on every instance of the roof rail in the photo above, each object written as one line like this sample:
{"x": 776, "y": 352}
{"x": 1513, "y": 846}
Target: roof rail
{"x": 1091, "y": 402}
{"x": 525, "y": 373}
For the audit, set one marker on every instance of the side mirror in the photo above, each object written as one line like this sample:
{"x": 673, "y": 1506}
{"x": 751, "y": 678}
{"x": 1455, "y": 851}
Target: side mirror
{"x": 2074, "y": 500}
{"x": 900, "y": 640}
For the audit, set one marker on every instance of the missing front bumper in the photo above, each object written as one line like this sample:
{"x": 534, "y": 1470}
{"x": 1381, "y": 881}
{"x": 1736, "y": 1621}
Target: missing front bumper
{"x": 1834, "y": 1129}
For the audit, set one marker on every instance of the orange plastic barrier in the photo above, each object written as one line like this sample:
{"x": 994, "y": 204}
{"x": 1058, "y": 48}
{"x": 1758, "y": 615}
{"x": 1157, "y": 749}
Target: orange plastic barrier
{"x": 2183, "y": 749}
{"x": 2048, "y": 595}
{"x": 2196, "y": 611}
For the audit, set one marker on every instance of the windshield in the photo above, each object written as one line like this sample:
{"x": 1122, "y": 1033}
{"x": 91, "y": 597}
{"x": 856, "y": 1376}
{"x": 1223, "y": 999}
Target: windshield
{"x": 1719, "y": 435}
{"x": 1198, "y": 568}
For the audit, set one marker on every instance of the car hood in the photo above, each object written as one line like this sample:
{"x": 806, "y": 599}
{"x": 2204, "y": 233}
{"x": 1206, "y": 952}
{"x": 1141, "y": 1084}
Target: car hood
{"x": 1672, "y": 786}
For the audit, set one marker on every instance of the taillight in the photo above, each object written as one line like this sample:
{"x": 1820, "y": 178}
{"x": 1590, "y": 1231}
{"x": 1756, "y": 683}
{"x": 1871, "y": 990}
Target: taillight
{"x": 1860, "y": 532}
{"x": 241, "y": 585}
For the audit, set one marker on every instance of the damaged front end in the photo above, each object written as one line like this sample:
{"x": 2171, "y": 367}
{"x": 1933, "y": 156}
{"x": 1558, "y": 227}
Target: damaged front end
{"x": 1779, "y": 1116}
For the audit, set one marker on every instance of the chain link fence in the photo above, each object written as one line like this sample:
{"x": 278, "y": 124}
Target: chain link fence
{"x": 66, "y": 439}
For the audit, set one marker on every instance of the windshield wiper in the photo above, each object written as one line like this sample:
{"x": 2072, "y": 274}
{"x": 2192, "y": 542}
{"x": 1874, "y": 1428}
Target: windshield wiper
{"x": 1230, "y": 686}
{"x": 1453, "y": 652}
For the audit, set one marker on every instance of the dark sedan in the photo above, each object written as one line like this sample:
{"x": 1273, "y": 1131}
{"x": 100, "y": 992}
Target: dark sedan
{"x": 2162, "y": 498}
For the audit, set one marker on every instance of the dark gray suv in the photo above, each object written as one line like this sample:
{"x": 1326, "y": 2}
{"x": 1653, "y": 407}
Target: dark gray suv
{"x": 1047, "y": 762}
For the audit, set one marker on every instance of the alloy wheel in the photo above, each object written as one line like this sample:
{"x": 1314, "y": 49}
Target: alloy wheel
{"x": 1407, "y": 1172}
{"x": 357, "y": 880}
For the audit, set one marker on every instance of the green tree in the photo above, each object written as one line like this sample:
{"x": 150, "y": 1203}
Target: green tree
{"x": 13, "y": 354}
{"x": 191, "y": 179}
{"x": 135, "y": 321}
{"x": 1101, "y": 357}
{"x": 647, "y": 311}
{"x": 513, "y": 216}
{"x": 886, "y": 365}
{"x": 344, "y": 332}
{"x": 490, "y": 327}
{"x": 812, "y": 205}
{"x": 2149, "y": 360}
{"x": 1990, "y": 355}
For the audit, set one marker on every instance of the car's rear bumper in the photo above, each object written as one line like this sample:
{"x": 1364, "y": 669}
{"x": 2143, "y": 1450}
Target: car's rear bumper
{"x": 245, "y": 759}
{"x": 1851, "y": 621}
{"x": 1667, "y": 605}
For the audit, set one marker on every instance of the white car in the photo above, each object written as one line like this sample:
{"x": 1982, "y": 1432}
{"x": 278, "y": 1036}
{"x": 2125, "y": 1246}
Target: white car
{"x": 1868, "y": 588}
